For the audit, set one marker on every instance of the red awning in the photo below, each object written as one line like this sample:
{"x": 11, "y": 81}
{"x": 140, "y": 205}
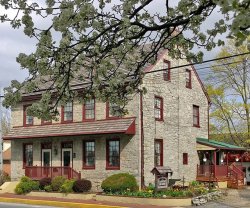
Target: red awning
{"x": 123, "y": 126}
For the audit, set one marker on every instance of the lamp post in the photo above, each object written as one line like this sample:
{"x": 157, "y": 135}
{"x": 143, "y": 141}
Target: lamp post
{"x": 1, "y": 140}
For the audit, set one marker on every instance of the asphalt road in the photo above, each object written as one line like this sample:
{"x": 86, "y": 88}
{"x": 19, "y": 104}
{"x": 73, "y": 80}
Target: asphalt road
{"x": 12, "y": 205}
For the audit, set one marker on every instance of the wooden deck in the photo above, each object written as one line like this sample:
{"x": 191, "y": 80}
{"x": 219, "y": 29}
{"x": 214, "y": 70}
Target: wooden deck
{"x": 220, "y": 173}
{"x": 211, "y": 179}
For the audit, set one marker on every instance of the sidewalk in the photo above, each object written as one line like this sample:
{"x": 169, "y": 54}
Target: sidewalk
{"x": 74, "y": 203}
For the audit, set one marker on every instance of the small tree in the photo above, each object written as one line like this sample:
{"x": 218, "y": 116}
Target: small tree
{"x": 229, "y": 89}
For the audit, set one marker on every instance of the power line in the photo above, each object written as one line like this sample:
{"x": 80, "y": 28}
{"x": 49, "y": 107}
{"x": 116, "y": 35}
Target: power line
{"x": 192, "y": 64}
{"x": 159, "y": 70}
{"x": 176, "y": 73}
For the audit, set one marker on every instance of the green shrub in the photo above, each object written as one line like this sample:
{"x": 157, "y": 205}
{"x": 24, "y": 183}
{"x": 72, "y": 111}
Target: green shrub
{"x": 48, "y": 188}
{"x": 150, "y": 187}
{"x": 82, "y": 185}
{"x": 25, "y": 179}
{"x": 200, "y": 191}
{"x": 119, "y": 182}
{"x": 195, "y": 183}
{"x": 26, "y": 185}
{"x": 67, "y": 186}
{"x": 57, "y": 182}
{"x": 44, "y": 182}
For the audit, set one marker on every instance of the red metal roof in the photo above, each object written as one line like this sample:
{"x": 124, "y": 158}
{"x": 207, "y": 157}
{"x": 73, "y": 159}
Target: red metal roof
{"x": 124, "y": 126}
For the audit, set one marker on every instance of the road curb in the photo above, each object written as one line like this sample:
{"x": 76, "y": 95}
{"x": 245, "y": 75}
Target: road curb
{"x": 55, "y": 203}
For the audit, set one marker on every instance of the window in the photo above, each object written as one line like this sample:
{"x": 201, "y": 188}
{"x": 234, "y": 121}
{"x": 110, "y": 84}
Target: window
{"x": 89, "y": 110}
{"x": 113, "y": 154}
{"x": 185, "y": 158}
{"x": 166, "y": 73}
{"x": 27, "y": 155}
{"x": 188, "y": 79}
{"x": 112, "y": 110}
{"x": 89, "y": 154}
{"x": 27, "y": 120}
{"x": 67, "y": 112}
{"x": 158, "y": 152}
{"x": 196, "y": 116}
{"x": 158, "y": 108}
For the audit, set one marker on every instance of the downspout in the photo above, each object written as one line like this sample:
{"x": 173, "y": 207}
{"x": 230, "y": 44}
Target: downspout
{"x": 208, "y": 119}
{"x": 142, "y": 142}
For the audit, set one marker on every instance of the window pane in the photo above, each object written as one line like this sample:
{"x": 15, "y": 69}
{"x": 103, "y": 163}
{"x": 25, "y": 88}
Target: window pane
{"x": 195, "y": 119}
{"x": 89, "y": 109}
{"x": 28, "y": 119}
{"x": 89, "y": 150}
{"x": 188, "y": 80}
{"x": 158, "y": 153}
{"x": 68, "y": 112}
{"x": 196, "y": 115}
{"x": 157, "y": 113}
{"x": 185, "y": 158}
{"x": 113, "y": 109}
{"x": 114, "y": 153}
{"x": 158, "y": 108}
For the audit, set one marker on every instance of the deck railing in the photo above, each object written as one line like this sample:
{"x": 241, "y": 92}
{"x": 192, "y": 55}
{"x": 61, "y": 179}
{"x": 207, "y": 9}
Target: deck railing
{"x": 212, "y": 170}
{"x": 39, "y": 172}
{"x": 205, "y": 170}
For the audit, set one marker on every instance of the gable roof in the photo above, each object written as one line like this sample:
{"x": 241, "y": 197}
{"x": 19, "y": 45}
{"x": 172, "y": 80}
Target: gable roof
{"x": 218, "y": 145}
{"x": 160, "y": 55}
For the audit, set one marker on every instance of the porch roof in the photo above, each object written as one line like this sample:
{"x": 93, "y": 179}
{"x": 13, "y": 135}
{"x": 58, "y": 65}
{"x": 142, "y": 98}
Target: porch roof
{"x": 124, "y": 126}
{"x": 218, "y": 145}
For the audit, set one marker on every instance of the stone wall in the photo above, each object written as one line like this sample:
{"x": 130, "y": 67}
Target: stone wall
{"x": 176, "y": 130}
{"x": 129, "y": 161}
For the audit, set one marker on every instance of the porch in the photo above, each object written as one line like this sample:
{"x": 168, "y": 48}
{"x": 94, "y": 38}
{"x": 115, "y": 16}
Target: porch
{"x": 215, "y": 173}
{"x": 219, "y": 161}
{"x": 37, "y": 173}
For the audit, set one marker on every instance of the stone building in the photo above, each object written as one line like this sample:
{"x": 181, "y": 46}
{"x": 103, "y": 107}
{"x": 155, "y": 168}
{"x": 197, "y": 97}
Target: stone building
{"x": 160, "y": 130}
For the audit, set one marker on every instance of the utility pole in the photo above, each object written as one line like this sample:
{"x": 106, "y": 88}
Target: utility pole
{"x": 1, "y": 132}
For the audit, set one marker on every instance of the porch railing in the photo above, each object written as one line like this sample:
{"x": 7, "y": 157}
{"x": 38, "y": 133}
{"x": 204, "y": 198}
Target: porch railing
{"x": 205, "y": 170}
{"x": 39, "y": 172}
{"x": 212, "y": 170}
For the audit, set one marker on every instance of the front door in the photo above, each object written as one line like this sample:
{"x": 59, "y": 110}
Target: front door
{"x": 67, "y": 162}
{"x": 46, "y": 157}
{"x": 46, "y": 162}
{"x": 67, "y": 157}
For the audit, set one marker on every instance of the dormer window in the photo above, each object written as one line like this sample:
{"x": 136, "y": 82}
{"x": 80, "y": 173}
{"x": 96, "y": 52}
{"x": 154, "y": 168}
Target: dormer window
{"x": 27, "y": 119}
{"x": 188, "y": 79}
{"x": 67, "y": 112}
{"x": 166, "y": 72}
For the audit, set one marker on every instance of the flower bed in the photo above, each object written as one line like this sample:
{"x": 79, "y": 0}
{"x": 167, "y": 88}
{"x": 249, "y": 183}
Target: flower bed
{"x": 194, "y": 189}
